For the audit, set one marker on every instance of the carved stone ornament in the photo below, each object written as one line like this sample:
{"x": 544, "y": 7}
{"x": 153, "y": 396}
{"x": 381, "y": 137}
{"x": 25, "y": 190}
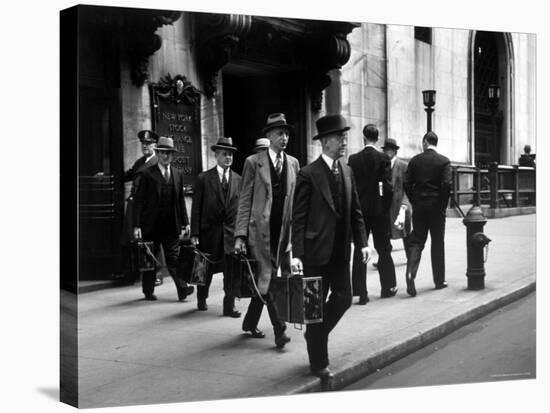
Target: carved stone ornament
{"x": 177, "y": 89}
{"x": 141, "y": 42}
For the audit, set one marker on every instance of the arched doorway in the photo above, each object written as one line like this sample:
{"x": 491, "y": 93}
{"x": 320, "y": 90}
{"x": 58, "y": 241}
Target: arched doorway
{"x": 491, "y": 61}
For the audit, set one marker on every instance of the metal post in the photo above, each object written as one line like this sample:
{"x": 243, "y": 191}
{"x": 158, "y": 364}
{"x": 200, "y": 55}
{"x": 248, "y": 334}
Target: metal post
{"x": 493, "y": 178}
{"x": 429, "y": 111}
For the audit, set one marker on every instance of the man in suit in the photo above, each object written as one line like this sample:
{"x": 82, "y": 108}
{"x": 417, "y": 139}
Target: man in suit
{"x": 428, "y": 186}
{"x": 526, "y": 159}
{"x": 160, "y": 215}
{"x": 326, "y": 216}
{"x": 148, "y": 141}
{"x": 400, "y": 210}
{"x": 372, "y": 171}
{"x": 213, "y": 213}
{"x": 263, "y": 220}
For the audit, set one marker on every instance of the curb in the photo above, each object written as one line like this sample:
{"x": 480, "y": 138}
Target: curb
{"x": 349, "y": 374}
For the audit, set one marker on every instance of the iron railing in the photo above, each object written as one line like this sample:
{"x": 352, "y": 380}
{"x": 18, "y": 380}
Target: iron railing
{"x": 498, "y": 186}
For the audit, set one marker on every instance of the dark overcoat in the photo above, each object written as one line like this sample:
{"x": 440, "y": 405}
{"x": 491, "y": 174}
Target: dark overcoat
{"x": 133, "y": 174}
{"x": 213, "y": 215}
{"x": 147, "y": 199}
{"x": 314, "y": 215}
{"x": 370, "y": 167}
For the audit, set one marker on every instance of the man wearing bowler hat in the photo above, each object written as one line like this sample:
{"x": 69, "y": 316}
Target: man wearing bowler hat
{"x": 326, "y": 218}
{"x": 215, "y": 201}
{"x": 372, "y": 171}
{"x": 148, "y": 141}
{"x": 400, "y": 210}
{"x": 160, "y": 214}
{"x": 263, "y": 220}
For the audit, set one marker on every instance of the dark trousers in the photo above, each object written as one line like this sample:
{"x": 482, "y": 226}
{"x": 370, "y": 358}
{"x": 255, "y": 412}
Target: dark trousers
{"x": 254, "y": 312}
{"x": 336, "y": 279}
{"x": 428, "y": 216}
{"x": 228, "y": 285}
{"x": 170, "y": 247}
{"x": 380, "y": 228}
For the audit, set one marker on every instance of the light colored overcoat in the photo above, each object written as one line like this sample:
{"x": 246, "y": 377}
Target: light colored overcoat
{"x": 399, "y": 198}
{"x": 254, "y": 212}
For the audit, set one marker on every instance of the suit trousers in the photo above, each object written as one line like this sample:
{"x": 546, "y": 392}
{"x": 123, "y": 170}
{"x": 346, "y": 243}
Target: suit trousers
{"x": 381, "y": 232}
{"x": 336, "y": 278}
{"x": 254, "y": 312}
{"x": 428, "y": 216}
{"x": 228, "y": 285}
{"x": 170, "y": 247}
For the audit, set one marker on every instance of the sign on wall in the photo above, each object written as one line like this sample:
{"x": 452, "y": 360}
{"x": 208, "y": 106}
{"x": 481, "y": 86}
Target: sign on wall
{"x": 176, "y": 114}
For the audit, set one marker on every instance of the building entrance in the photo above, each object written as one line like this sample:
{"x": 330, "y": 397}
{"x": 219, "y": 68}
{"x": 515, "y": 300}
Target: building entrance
{"x": 249, "y": 96}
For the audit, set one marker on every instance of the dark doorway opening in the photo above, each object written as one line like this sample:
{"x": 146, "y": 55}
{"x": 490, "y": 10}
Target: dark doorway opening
{"x": 249, "y": 96}
{"x": 488, "y": 121}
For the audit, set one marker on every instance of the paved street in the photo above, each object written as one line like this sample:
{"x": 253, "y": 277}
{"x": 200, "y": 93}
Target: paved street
{"x": 133, "y": 351}
{"x": 499, "y": 346}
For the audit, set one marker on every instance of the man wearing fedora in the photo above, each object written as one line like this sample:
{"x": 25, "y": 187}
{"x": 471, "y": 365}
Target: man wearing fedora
{"x": 261, "y": 145}
{"x": 148, "y": 141}
{"x": 263, "y": 220}
{"x": 215, "y": 201}
{"x": 428, "y": 186}
{"x": 326, "y": 218}
{"x": 400, "y": 210}
{"x": 372, "y": 171}
{"x": 160, "y": 214}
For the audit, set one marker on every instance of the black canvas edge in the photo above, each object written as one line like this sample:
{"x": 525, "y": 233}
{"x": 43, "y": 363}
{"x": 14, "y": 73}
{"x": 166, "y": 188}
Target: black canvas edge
{"x": 68, "y": 251}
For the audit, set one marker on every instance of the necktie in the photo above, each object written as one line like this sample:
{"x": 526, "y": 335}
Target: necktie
{"x": 335, "y": 170}
{"x": 278, "y": 164}
{"x": 224, "y": 183}
{"x": 166, "y": 174}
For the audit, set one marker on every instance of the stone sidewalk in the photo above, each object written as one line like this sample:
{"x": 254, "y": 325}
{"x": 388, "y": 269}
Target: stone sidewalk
{"x": 133, "y": 351}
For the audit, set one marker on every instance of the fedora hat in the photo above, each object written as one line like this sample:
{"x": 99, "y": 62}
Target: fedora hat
{"x": 261, "y": 143}
{"x": 165, "y": 144}
{"x": 147, "y": 136}
{"x": 276, "y": 120}
{"x": 330, "y": 124}
{"x": 390, "y": 144}
{"x": 224, "y": 143}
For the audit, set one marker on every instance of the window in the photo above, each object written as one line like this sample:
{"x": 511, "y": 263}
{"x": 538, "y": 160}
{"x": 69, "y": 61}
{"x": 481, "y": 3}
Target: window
{"x": 424, "y": 34}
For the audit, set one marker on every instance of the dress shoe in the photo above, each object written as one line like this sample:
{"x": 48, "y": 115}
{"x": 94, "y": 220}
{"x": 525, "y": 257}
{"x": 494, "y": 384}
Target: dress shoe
{"x": 281, "y": 340}
{"x": 440, "y": 286}
{"x": 411, "y": 290}
{"x": 228, "y": 312}
{"x": 255, "y": 333}
{"x": 323, "y": 374}
{"x": 158, "y": 281}
{"x": 150, "y": 297}
{"x": 183, "y": 292}
{"x": 363, "y": 299}
{"x": 201, "y": 305}
{"x": 389, "y": 293}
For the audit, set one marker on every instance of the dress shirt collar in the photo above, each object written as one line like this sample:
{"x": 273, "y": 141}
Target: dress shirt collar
{"x": 328, "y": 160}
{"x": 393, "y": 161}
{"x": 221, "y": 172}
{"x": 147, "y": 159}
{"x": 162, "y": 168}
{"x": 273, "y": 156}
{"x": 432, "y": 147}
{"x": 371, "y": 145}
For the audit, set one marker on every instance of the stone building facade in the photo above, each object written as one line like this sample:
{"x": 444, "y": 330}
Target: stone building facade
{"x": 245, "y": 67}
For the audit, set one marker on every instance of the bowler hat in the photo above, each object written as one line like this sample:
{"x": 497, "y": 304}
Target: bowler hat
{"x": 276, "y": 120}
{"x": 330, "y": 124}
{"x": 147, "y": 136}
{"x": 390, "y": 144}
{"x": 224, "y": 143}
{"x": 261, "y": 143}
{"x": 165, "y": 144}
